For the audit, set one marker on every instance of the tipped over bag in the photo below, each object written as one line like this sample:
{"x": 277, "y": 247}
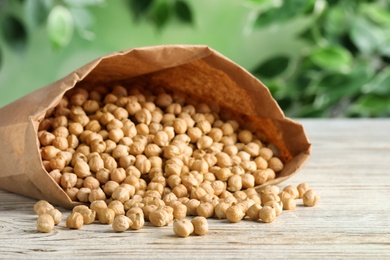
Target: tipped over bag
{"x": 198, "y": 71}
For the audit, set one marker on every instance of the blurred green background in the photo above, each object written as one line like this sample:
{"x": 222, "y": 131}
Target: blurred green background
{"x": 319, "y": 58}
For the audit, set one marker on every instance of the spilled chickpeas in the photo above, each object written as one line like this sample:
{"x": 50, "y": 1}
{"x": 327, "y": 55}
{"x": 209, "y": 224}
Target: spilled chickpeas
{"x": 132, "y": 155}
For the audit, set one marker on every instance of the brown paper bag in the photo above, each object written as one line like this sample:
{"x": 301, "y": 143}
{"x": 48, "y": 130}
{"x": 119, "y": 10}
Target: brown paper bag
{"x": 196, "y": 70}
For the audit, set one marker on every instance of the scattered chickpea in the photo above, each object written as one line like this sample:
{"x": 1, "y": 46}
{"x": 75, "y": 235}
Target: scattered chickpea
{"x": 277, "y": 205}
{"x": 137, "y": 220}
{"x": 42, "y": 207}
{"x": 201, "y": 226}
{"x": 179, "y": 211}
{"x": 106, "y": 215}
{"x": 89, "y": 215}
{"x": 160, "y": 217}
{"x": 286, "y": 195}
{"x": 220, "y": 210}
{"x": 302, "y": 188}
{"x": 192, "y": 206}
{"x": 56, "y": 215}
{"x": 75, "y": 220}
{"x": 205, "y": 209}
{"x": 265, "y": 197}
{"x": 45, "y": 223}
{"x": 267, "y": 214}
{"x": 253, "y": 211}
{"x": 289, "y": 203}
{"x": 148, "y": 209}
{"x": 117, "y": 206}
{"x": 292, "y": 190}
{"x": 310, "y": 198}
{"x": 121, "y": 223}
{"x": 235, "y": 213}
{"x": 182, "y": 227}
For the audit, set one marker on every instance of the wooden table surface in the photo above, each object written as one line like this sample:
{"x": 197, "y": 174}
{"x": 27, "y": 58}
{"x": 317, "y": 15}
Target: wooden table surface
{"x": 349, "y": 168}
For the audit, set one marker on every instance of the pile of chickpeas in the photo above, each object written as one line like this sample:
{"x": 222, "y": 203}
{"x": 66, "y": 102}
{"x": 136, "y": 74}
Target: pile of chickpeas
{"x": 134, "y": 154}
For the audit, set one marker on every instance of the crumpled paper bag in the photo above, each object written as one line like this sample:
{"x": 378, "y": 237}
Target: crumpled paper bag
{"x": 198, "y": 71}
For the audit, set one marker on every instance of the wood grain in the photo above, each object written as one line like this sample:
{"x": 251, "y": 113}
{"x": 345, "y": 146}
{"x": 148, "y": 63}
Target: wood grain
{"x": 349, "y": 168}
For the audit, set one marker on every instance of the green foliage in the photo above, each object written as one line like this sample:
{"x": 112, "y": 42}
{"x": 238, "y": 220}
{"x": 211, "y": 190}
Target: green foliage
{"x": 159, "y": 12}
{"x": 60, "y": 26}
{"x": 319, "y": 58}
{"x": 343, "y": 71}
{"x": 14, "y": 32}
{"x": 61, "y": 18}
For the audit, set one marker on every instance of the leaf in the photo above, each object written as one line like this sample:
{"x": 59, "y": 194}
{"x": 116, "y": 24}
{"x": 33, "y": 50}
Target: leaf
{"x": 332, "y": 58}
{"x": 372, "y": 105}
{"x": 140, "y": 8}
{"x": 376, "y": 13}
{"x": 366, "y": 36}
{"x": 380, "y": 84}
{"x": 14, "y": 33}
{"x": 60, "y": 26}
{"x": 272, "y": 67}
{"x": 262, "y": 2}
{"x": 35, "y": 12}
{"x": 79, "y": 3}
{"x": 284, "y": 12}
{"x": 160, "y": 13}
{"x": 83, "y": 21}
{"x": 1, "y": 58}
{"x": 183, "y": 11}
{"x": 335, "y": 22}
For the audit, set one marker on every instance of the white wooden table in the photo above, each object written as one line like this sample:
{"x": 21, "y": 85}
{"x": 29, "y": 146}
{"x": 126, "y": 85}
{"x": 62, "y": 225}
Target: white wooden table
{"x": 349, "y": 168}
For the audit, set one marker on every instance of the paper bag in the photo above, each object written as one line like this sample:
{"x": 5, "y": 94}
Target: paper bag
{"x": 198, "y": 71}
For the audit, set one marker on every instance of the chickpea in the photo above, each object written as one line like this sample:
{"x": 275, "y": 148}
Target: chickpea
{"x": 245, "y": 136}
{"x": 106, "y": 215}
{"x": 302, "y": 188}
{"x": 97, "y": 194}
{"x": 192, "y": 206}
{"x": 205, "y": 209}
{"x": 137, "y": 220}
{"x": 248, "y": 180}
{"x": 45, "y": 223}
{"x": 121, "y": 223}
{"x": 117, "y": 206}
{"x": 42, "y": 207}
{"x": 288, "y": 203}
{"x": 266, "y": 153}
{"x": 260, "y": 176}
{"x": 277, "y": 205}
{"x": 75, "y": 220}
{"x": 223, "y": 160}
{"x": 310, "y": 198}
{"x": 227, "y": 129}
{"x": 163, "y": 100}
{"x": 89, "y": 215}
{"x": 68, "y": 180}
{"x": 292, "y": 190}
{"x": 159, "y": 217}
{"x": 183, "y": 227}
{"x": 179, "y": 211}
{"x": 275, "y": 164}
{"x": 201, "y": 226}
{"x": 220, "y": 210}
{"x": 253, "y": 211}
{"x": 234, "y": 183}
{"x": 267, "y": 214}
{"x": 235, "y": 213}
{"x": 56, "y": 215}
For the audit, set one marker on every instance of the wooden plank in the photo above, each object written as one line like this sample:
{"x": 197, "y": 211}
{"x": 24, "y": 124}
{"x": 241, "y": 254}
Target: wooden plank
{"x": 349, "y": 168}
